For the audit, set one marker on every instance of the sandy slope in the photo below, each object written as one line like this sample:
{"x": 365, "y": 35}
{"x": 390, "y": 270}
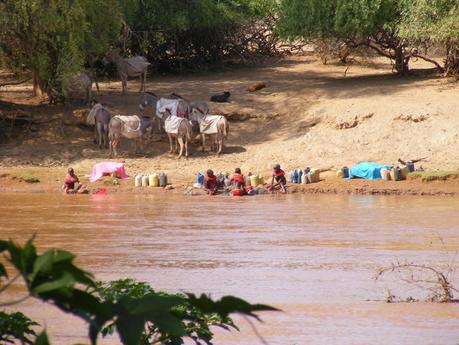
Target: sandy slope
{"x": 309, "y": 114}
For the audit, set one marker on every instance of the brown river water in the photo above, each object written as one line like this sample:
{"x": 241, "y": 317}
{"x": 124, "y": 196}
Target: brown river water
{"x": 313, "y": 256}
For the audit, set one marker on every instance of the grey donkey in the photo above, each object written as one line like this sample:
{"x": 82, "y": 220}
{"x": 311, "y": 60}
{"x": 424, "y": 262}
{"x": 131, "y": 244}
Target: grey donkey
{"x": 136, "y": 66}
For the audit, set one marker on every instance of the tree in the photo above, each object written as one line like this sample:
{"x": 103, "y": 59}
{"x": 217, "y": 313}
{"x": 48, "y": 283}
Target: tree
{"x": 370, "y": 23}
{"x": 128, "y": 307}
{"x": 178, "y": 35}
{"x": 436, "y": 21}
{"x": 55, "y": 38}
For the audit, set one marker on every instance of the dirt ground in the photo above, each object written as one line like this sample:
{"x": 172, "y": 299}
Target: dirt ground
{"x": 324, "y": 116}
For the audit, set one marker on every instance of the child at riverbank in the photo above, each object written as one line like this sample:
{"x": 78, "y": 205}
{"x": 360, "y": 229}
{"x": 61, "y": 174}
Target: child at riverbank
{"x": 279, "y": 177}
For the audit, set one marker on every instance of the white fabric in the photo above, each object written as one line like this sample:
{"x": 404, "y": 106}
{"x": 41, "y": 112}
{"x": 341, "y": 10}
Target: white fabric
{"x": 91, "y": 118}
{"x": 166, "y": 104}
{"x": 172, "y": 124}
{"x": 130, "y": 127}
{"x": 209, "y": 124}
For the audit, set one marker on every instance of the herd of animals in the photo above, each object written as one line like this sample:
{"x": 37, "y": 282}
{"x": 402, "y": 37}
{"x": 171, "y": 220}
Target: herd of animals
{"x": 183, "y": 121}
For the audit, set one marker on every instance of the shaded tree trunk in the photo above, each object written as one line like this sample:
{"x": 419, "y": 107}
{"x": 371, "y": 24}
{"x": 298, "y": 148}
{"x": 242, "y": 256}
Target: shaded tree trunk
{"x": 401, "y": 61}
{"x": 452, "y": 60}
{"x": 36, "y": 85}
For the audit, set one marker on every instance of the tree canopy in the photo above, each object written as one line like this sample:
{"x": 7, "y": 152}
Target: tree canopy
{"x": 389, "y": 27}
{"x": 54, "y": 38}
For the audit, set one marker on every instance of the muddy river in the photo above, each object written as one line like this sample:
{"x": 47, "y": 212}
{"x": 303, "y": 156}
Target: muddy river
{"x": 314, "y": 257}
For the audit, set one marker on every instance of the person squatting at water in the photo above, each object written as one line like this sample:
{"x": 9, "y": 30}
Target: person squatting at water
{"x": 70, "y": 181}
{"x": 279, "y": 177}
{"x": 210, "y": 182}
{"x": 238, "y": 183}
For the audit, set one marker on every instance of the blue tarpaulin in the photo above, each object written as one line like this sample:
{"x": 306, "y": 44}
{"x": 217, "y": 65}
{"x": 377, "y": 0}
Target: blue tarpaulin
{"x": 367, "y": 170}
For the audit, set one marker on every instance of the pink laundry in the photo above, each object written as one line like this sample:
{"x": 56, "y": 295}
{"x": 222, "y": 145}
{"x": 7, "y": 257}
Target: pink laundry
{"x": 107, "y": 168}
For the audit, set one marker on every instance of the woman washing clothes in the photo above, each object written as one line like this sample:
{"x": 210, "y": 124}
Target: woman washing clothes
{"x": 72, "y": 184}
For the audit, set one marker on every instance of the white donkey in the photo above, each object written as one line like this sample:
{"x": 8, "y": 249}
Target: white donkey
{"x": 216, "y": 126}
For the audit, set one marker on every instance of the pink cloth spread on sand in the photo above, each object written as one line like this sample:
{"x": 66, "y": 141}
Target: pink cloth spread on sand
{"x": 107, "y": 168}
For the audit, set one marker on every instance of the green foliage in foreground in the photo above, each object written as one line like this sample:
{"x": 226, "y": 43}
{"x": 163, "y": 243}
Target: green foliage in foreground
{"x": 134, "y": 310}
{"x": 16, "y": 326}
{"x": 197, "y": 324}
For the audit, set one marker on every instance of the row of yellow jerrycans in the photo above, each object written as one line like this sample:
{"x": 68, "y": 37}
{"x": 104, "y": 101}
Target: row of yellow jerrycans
{"x": 254, "y": 180}
{"x": 150, "y": 180}
{"x": 394, "y": 174}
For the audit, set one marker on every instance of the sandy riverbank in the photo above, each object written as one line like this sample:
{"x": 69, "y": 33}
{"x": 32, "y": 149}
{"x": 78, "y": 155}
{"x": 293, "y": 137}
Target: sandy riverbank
{"x": 14, "y": 180}
{"x": 308, "y": 115}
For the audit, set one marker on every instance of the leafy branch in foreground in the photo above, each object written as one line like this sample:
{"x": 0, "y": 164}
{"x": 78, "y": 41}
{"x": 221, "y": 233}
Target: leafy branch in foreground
{"x": 16, "y": 326}
{"x": 134, "y": 310}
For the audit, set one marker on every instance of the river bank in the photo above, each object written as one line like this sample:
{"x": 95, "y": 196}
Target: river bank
{"x": 50, "y": 179}
{"x": 308, "y": 115}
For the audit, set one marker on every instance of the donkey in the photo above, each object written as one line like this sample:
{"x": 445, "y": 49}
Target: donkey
{"x": 100, "y": 117}
{"x": 135, "y": 66}
{"x": 179, "y": 131}
{"x": 130, "y": 127}
{"x": 202, "y": 106}
{"x": 216, "y": 126}
{"x": 78, "y": 85}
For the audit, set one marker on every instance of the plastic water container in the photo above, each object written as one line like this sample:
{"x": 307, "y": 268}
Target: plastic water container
{"x": 153, "y": 180}
{"x": 345, "y": 171}
{"x": 404, "y": 173}
{"x": 410, "y": 166}
{"x": 138, "y": 180}
{"x": 396, "y": 174}
{"x": 300, "y": 175}
{"x": 261, "y": 180}
{"x": 304, "y": 178}
{"x": 247, "y": 181}
{"x": 200, "y": 178}
{"x": 290, "y": 176}
{"x": 254, "y": 180}
{"x": 314, "y": 175}
{"x": 385, "y": 174}
{"x": 295, "y": 176}
{"x": 144, "y": 180}
{"x": 339, "y": 173}
{"x": 162, "y": 180}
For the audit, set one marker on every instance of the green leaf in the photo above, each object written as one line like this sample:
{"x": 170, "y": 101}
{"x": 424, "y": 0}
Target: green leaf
{"x": 64, "y": 285}
{"x": 3, "y": 272}
{"x": 3, "y": 245}
{"x": 156, "y": 309}
{"x": 130, "y": 329}
{"x": 16, "y": 326}
{"x": 62, "y": 255}
{"x": 227, "y": 305}
{"x": 42, "y": 339}
{"x": 43, "y": 263}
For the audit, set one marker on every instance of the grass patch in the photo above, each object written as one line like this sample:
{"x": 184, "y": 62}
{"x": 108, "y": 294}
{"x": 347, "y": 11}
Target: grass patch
{"x": 26, "y": 176}
{"x": 428, "y": 176}
{"x": 29, "y": 178}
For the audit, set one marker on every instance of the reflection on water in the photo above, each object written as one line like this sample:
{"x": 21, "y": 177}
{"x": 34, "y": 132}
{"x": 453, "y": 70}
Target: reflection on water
{"x": 313, "y": 256}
